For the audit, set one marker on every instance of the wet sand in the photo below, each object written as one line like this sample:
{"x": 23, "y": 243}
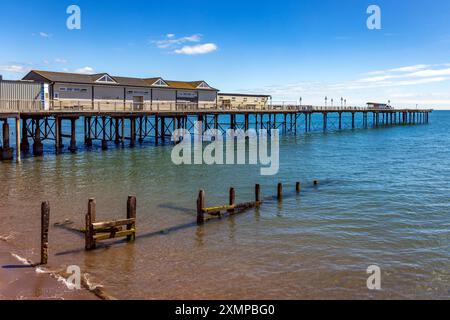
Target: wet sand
{"x": 19, "y": 281}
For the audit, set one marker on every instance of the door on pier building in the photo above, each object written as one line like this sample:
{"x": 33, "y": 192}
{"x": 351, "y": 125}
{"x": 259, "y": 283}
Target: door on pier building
{"x": 138, "y": 103}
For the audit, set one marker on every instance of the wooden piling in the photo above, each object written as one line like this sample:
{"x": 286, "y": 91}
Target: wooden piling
{"x": 73, "y": 139}
{"x": 200, "y": 207}
{"x": 45, "y": 222}
{"x": 132, "y": 132}
{"x": 90, "y": 219}
{"x": 156, "y": 130}
{"x": 131, "y": 214}
{"x": 280, "y": 192}
{"x": 38, "y": 148}
{"x": 25, "y": 146}
{"x": 104, "y": 141}
{"x": 18, "y": 146}
{"x": 232, "y": 199}
{"x": 298, "y": 187}
{"x": 117, "y": 131}
{"x": 7, "y": 152}
{"x": 257, "y": 194}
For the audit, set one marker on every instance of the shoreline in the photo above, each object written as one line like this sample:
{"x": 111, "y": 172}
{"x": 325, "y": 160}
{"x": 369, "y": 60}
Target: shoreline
{"x": 19, "y": 280}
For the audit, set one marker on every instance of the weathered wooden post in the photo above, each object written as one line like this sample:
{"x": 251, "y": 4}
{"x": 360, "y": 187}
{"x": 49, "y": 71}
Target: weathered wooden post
{"x": 45, "y": 222}
{"x": 7, "y": 151}
{"x": 232, "y": 199}
{"x": 200, "y": 207}
{"x": 38, "y": 148}
{"x": 104, "y": 141}
{"x": 18, "y": 147}
{"x": 132, "y": 132}
{"x": 280, "y": 192}
{"x": 25, "y": 146}
{"x": 131, "y": 214}
{"x": 257, "y": 194}
{"x": 73, "y": 139}
{"x": 90, "y": 219}
{"x": 298, "y": 187}
{"x": 117, "y": 132}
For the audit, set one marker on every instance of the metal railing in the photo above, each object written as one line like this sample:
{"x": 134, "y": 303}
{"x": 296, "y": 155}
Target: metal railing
{"x": 128, "y": 106}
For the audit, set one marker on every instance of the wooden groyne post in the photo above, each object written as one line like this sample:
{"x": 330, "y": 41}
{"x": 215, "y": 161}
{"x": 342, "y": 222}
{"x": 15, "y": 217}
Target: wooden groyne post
{"x": 99, "y": 231}
{"x": 200, "y": 207}
{"x": 257, "y": 194}
{"x": 298, "y": 187}
{"x": 280, "y": 192}
{"x": 131, "y": 215}
{"x": 45, "y": 222}
{"x": 90, "y": 219}
{"x": 232, "y": 200}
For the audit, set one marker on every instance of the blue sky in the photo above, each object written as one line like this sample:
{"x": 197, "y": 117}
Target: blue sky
{"x": 290, "y": 49}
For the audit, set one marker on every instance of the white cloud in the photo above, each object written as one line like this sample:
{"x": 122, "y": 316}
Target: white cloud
{"x": 60, "y": 60}
{"x": 404, "y": 86}
{"x": 170, "y": 42}
{"x": 14, "y": 68}
{"x": 45, "y": 35}
{"x": 197, "y": 49}
{"x": 85, "y": 70}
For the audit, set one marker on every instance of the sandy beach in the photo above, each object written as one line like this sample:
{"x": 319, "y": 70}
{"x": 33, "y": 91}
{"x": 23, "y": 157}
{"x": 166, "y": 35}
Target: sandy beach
{"x": 20, "y": 281}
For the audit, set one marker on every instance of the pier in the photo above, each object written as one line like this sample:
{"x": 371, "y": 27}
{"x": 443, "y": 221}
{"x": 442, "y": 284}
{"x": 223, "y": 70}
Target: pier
{"x": 129, "y": 124}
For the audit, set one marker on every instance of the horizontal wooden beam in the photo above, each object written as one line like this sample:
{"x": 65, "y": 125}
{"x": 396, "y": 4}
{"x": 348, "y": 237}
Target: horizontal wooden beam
{"x": 112, "y": 224}
{"x": 120, "y": 234}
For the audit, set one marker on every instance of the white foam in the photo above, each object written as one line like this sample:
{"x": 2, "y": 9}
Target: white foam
{"x": 23, "y": 260}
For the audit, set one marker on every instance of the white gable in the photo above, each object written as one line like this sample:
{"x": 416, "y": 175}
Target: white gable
{"x": 106, "y": 79}
{"x": 203, "y": 85}
{"x": 160, "y": 83}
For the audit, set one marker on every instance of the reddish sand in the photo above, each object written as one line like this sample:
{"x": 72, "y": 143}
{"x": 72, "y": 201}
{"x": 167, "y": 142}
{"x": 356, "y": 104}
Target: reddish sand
{"x": 19, "y": 281}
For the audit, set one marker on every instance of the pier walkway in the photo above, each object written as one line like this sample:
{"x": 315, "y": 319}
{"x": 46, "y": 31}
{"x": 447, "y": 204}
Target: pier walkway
{"x": 135, "y": 123}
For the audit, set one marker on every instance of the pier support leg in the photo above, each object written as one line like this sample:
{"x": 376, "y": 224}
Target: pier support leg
{"x": 141, "y": 130}
{"x": 18, "y": 147}
{"x": 58, "y": 135}
{"x": 306, "y": 123}
{"x": 116, "y": 131}
{"x": 163, "y": 130}
{"x": 246, "y": 122}
{"x": 25, "y": 146}
{"x": 353, "y": 120}
{"x": 156, "y": 130}
{"x": 104, "y": 141}
{"x": 340, "y": 120}
{"x": 88, "y": 132}
{"x": 132, "y": 132}
{"x": 7, "y": 153}
{"x": 325, "y": 120}
{"x": 73, "y": 138}
{"x": 38, "y": 148}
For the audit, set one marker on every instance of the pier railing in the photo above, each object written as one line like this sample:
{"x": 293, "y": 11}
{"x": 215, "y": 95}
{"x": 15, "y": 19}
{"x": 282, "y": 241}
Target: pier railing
{"x": 9, "y": 106}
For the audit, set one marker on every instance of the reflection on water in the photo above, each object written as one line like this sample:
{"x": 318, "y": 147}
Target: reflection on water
{"x": 383, "y": 200}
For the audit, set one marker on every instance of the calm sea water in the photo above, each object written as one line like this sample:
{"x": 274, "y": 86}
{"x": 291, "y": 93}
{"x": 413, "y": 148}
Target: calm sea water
{"x": 383, "y": 200}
